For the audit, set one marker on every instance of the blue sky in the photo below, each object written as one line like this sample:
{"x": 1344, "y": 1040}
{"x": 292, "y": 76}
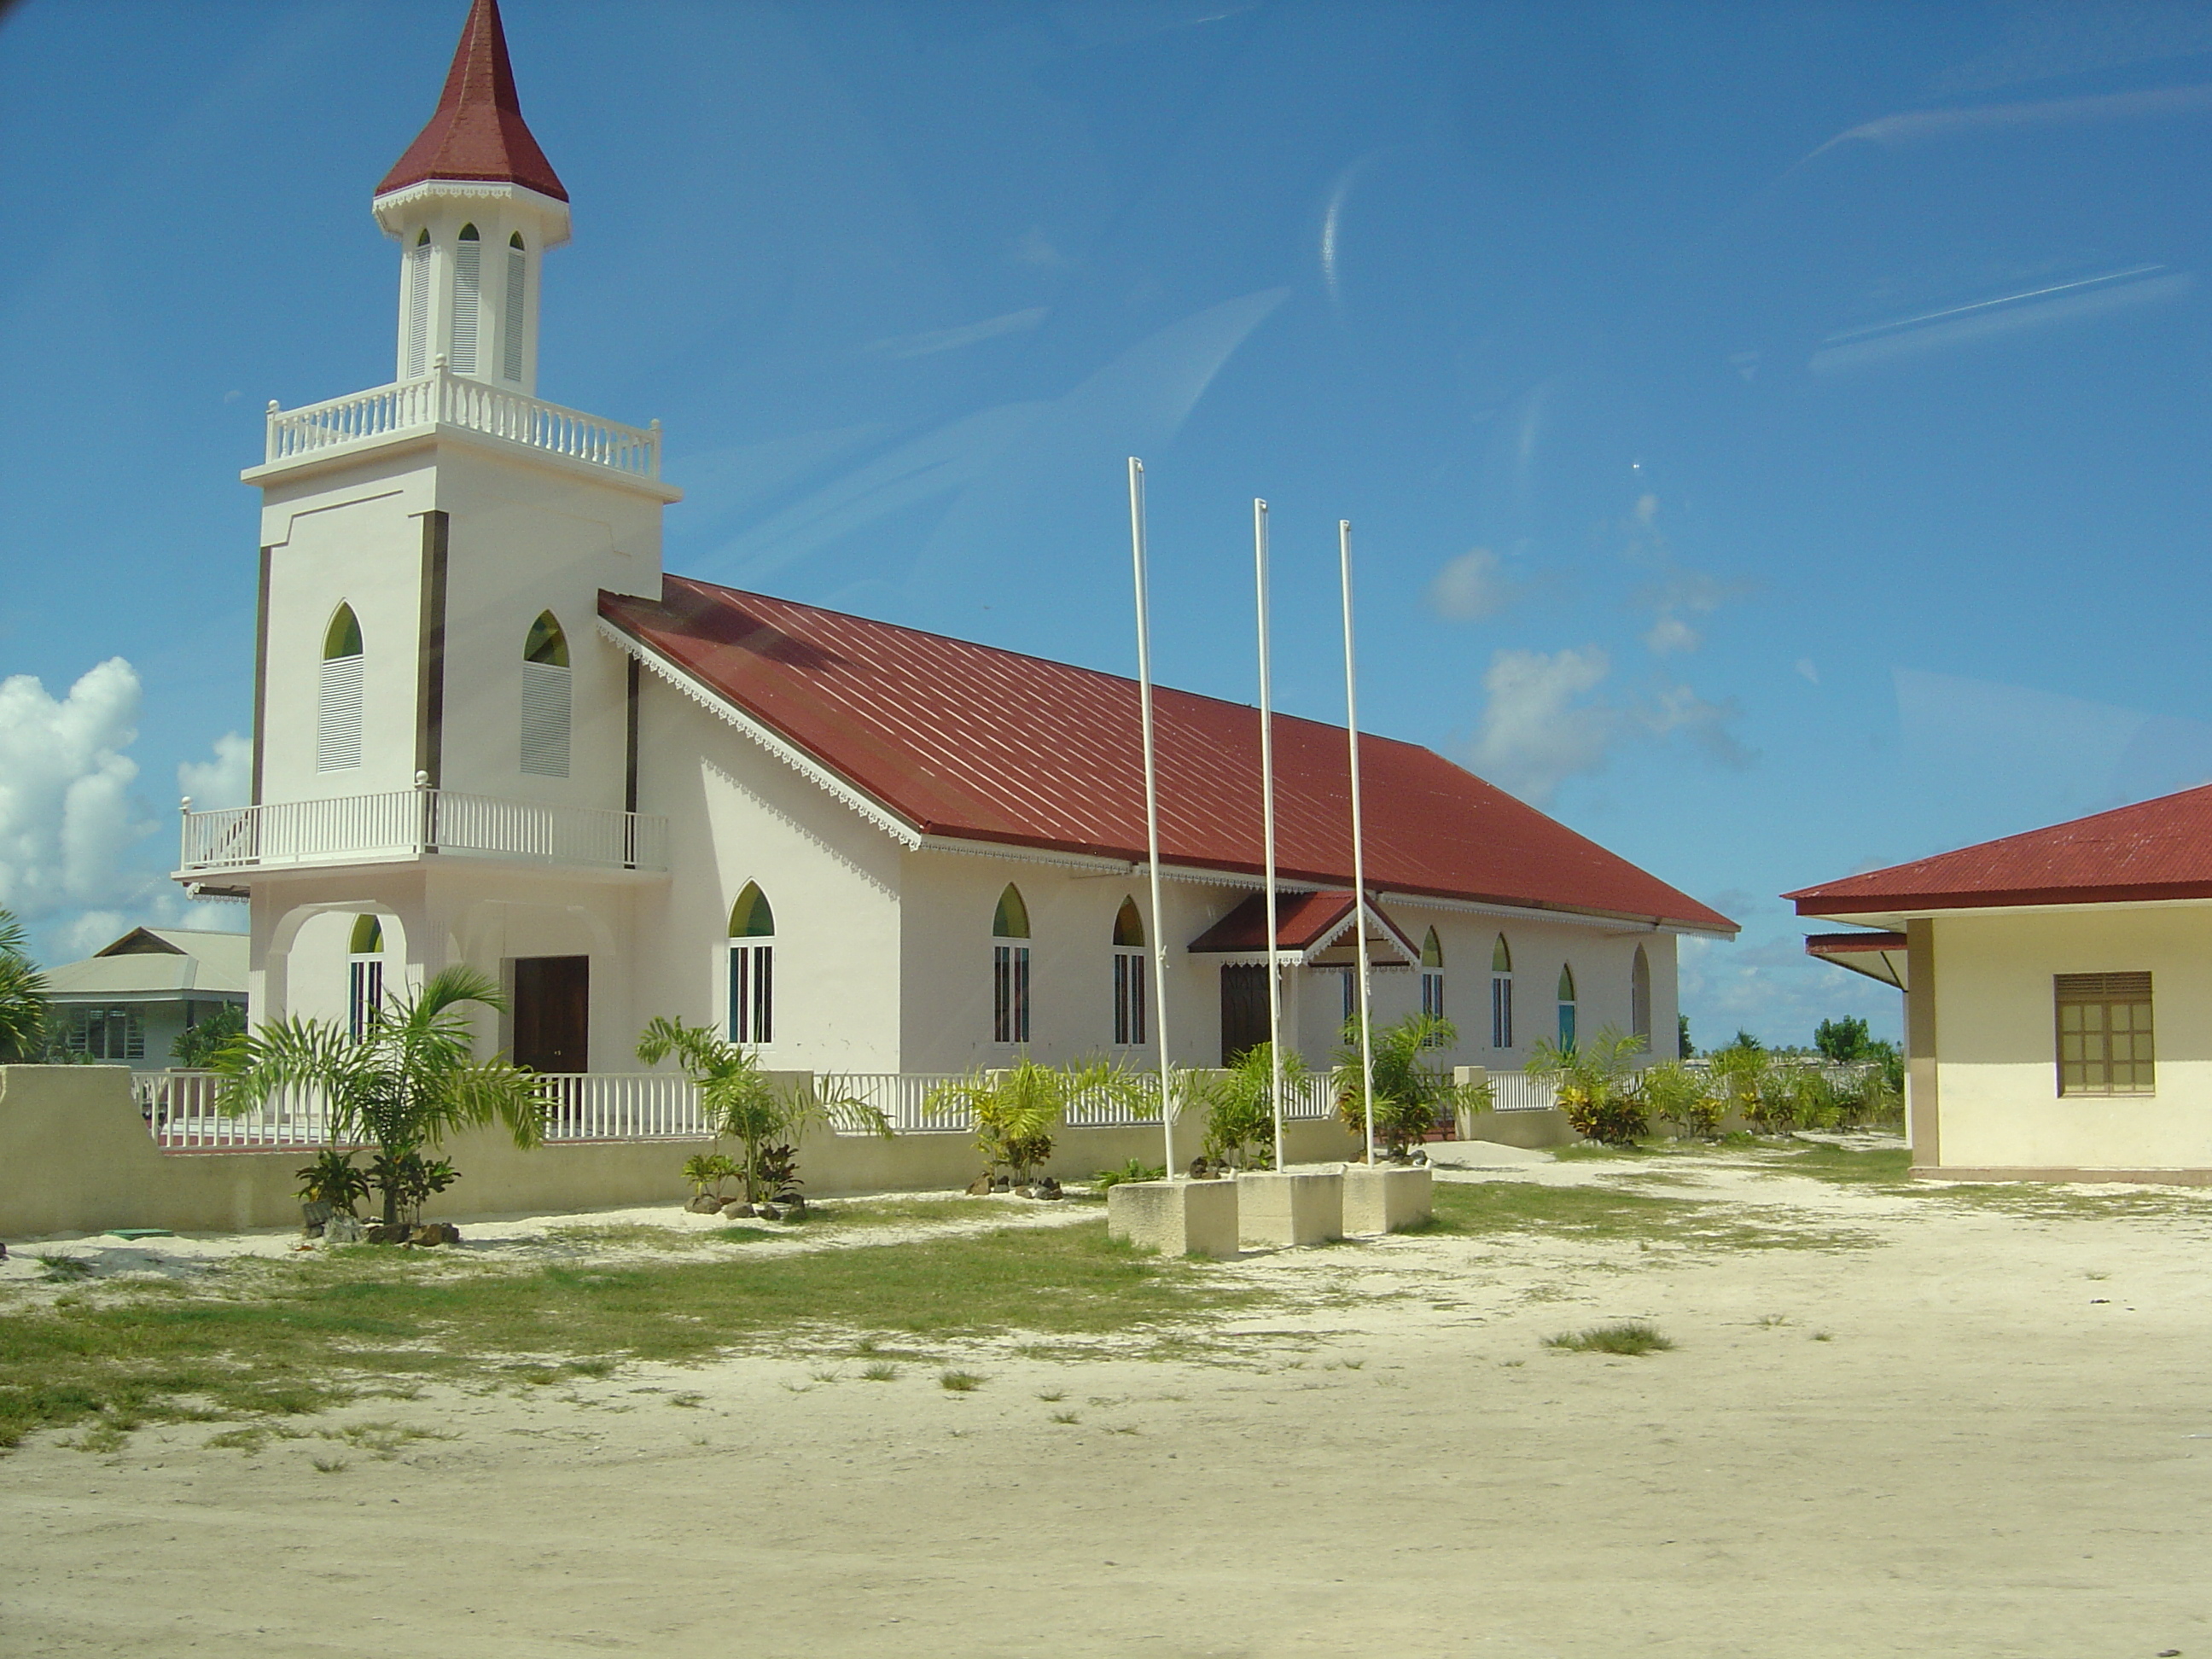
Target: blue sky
{"x": 1775, "y": 436}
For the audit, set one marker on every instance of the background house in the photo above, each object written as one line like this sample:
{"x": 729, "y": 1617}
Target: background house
{"x": 2058, "y": 993}
{"x": 133, "y": 999}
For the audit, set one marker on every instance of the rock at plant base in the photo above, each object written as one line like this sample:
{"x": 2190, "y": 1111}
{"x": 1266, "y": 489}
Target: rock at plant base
{"x": 768, "y": 1213}
{"x": 342, "y": 1230}
{"x": 1003, "y": 1184}
{"x": 705, "y": 1203}
{"x": 737, "y": 1210}
{"x": 434, "y": 1232}
{"x": 980, "y": 1187}
{"x": 393, "y": 1233}
{"x": 794, "y": 1207}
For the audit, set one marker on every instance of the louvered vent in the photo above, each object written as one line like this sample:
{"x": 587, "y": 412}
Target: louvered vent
{"x": 419, "y": 311}
{"x": 337, "y": 724}
{"x": 468, "y": 296}
{"x": 545, "y": 719}
{"x": 511, "y": 345}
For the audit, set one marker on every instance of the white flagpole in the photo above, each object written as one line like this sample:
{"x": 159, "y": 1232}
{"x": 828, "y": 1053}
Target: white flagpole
{"x": 1268, "y": 823}
{"x": 1358, "y": 840}
{"x": 1159, "y": 998}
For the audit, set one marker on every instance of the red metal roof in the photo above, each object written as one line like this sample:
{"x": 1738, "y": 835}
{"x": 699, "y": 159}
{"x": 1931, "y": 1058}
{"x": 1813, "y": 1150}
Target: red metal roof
{"x": 477, "y": 133}
{"x": 1303, "y": 921}
{"x": 2154, "y": 849}
{"x": 970, "y": 741}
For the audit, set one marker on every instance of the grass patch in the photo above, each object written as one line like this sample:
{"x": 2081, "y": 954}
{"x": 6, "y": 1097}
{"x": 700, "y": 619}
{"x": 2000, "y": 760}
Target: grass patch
{"x": 64, "y": 1269}
{"x": 1880, "y": 1166}
{"x": 1065, "y": 1417}
{"x": 1630, "y": 1336}
{"x": 265, "y": 1337}
{"x": 881, "y": 1371}
{"x": 959, "y": 1381}
{"x": 1494, "y": 1208}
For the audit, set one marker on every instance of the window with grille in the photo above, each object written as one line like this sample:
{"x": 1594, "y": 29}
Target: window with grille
{"x": 107, "y": 1034}
{"x": 1501, "y": 994}
{"x": 510, "y": 346}
{"x": 1010, "y": 967}
{"x": 1132, "y": 1014}
{"x": 1640, "y": 998}
{"x": 365, "y": 976}
{"x": 752, "y": 968}
{"x": 468, "y": 299}
{"x": 338, "y": 713}
{"x": 545, "y": 699}
{"x": 1433, "y": 984}
{"x": 2105, "y": 1044}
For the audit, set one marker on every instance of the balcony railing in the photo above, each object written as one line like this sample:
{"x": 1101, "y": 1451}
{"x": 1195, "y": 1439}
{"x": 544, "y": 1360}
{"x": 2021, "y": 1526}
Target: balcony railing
{"x": 404, "y": 823}
{"x": 442, "y": 399}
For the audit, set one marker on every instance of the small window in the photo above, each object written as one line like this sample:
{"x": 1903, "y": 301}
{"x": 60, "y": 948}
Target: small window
{"x": 1640, "y": 998}
{"x": 338, "y": 701}
{"x": 2105, "y": 1043}
{"x": 1566, "y": 1008}
{"x": 1132, "y": 1009}
{"x": 468, "y": 299}
{"x": 511, "y": 321}
{"x": 1501, "y": 994}
{"x": 365, "y": 976}
{"x": 107, "y": 1034}
{"x": 1010, "y": 969}
{"x": 418, "y": 276}
{"x": 1432, "y": 982}
{"x": 516, "y": 241}
{"x": 545, "y": 699}
{"x": 752, "y": 968}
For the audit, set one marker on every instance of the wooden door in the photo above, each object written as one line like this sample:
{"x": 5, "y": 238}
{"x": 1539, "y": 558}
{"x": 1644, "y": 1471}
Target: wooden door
{"x": 1243, "y": 1011}
{"x": 552, "y": 1013}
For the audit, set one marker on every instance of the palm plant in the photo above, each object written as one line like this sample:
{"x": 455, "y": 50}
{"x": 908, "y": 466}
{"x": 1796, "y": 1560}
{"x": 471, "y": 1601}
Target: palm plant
{"x": 738, "y": 1098}
{"x": 1409, "y": 1092}
{"x": 1240, "y": 1114}
{"x": 1675, "y": 1094}
{"x": 407, "y": 1082}
{"x": 22, "y": 997}
{"x": 1015, "y": 1111}
{"x": 1597, "y": 1084}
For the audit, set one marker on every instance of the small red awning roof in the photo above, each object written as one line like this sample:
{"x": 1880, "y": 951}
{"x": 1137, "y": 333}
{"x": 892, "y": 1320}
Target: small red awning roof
{"x": 2154, "y": 849}
{"x": 970, "y": 742}
{"x": 1877, "y": 955}
{"x": 477, "y": 133}
{"x": 1304, "y": 922}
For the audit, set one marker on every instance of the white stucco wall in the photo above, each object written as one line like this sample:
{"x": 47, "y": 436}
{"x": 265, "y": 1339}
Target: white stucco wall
{"x": 1996, "y": 1040}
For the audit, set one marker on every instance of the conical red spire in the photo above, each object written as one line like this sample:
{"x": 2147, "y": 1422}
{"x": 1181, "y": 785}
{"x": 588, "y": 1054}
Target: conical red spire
{"x": 477, "y": 133}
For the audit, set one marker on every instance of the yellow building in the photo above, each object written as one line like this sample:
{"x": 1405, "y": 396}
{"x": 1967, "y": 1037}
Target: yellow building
{"x": 2058, "y": 994}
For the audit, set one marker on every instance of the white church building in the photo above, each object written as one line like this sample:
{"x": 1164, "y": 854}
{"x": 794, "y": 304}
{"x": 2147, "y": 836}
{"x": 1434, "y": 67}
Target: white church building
{"x": 489, "y": 729}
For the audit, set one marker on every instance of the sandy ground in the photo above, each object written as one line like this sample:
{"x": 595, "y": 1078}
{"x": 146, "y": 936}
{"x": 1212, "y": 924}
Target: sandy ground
{"x": 1977, "y": 1432}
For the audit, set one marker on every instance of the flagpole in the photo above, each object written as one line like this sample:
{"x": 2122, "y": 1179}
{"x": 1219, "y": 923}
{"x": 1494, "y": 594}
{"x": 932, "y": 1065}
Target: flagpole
{"x": 1359, "y": 839}
{"x": 1267, "y": 826}
{"x": 1159, "y": 1010}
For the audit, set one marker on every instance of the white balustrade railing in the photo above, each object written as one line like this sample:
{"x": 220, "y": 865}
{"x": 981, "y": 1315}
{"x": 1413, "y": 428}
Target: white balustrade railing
{"x": 444, "y": 399}
{"x": 183, "y": 1112}
{"x": 620, "y": 1106}
{"x": 415, "y": 823}
{"x": 902, "y": 1096}
{"x": 1516, "y": 1091}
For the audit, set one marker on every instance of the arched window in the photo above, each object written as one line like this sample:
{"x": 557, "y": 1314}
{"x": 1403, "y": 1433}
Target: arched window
{"x": 1010, "y": 969}
{"x": 468, "y": 299}
{"x": 1132, "y": 1015}
{"x": 1566, "y": 1008}
{"x": 1433, "y": 980}
{"x": 752, "y": 968}
{"x": 337, "y": 710}
{"x": 545, "y": 699}
{"x": 365, "y": 975}
{"x": 418, "y": 279}
{"x": 1501, "y": 994}
{"x": 510, "y": 343}
{"x": 1639, "y": 997}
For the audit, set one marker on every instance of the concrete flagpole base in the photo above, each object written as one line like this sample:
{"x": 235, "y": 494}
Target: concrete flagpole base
{"x": 1174, "y": 1218}
{"x": 1386, "y": 1198}
{"x": 1290, "y": 1206}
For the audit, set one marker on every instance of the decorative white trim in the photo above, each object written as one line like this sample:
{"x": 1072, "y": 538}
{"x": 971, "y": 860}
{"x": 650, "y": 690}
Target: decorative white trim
{"x": 897, "y": 828}
{"x": 390, "y": 209}
{"x": 1090, "y": 864}
{"x": 1621, "y": 925}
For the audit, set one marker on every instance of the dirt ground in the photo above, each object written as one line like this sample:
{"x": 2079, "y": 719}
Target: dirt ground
{"x": 1942, "y": 1425}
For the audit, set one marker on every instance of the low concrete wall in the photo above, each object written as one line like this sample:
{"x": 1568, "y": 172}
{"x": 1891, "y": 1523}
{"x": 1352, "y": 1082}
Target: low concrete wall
{"x": 74, "y": 1158}
{"x": 1547, "y": 1127}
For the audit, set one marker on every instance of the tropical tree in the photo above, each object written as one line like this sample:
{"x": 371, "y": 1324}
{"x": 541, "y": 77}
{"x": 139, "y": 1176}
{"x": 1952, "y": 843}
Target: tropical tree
{"x": 1597, "y": 1086}
{"x": 197, "y": 1045}
{"x": 22, "y": 997}
{"x": 1410, "y": 1093}
{"x": 407, "y": 1083}
{"x": 1844, "y": 1040}
{"x": 738, "y": 1099}
{"x": 1017, "y": 1111}
{"x": 1239, "y": 1113}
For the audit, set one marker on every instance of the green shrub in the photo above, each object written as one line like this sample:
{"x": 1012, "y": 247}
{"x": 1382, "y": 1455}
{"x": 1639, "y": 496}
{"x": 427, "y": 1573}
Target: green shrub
{"x": 1135, "y": 1169}
{"x": 1675, "y": 1094}
{"x": 1597, "y": 1086}
{"x": 1240, "y": 1117}
{"x": 1412, "y": 1097}
{"x": 1630, "y": 1336}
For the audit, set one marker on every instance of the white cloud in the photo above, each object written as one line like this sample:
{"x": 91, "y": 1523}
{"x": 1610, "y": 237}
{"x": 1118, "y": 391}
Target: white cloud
{"x": 1671, "y": 633}
{"x": 1472, "y": 586}
{"x": 1678, "y": 708}
{"x": 1770, "y": 987}
{"x": 67, "y": 822}
{"x": 223, "y": 781}
{"x": 1805, "y": 667}
{"x": 1536, "y": 729}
